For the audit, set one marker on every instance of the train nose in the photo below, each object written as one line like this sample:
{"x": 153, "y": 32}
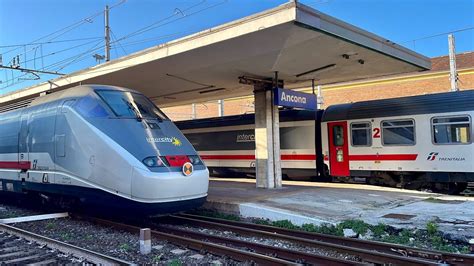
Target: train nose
{"x": 148, "y": 186}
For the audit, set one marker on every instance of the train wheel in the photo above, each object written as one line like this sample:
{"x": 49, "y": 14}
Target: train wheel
{"x": 456, "y": 188}
{"x": 449, "y": 188}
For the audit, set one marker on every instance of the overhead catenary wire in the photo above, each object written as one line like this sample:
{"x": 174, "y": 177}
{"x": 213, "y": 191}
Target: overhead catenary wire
{"x": 55, "y": 35}
{"x": 140, "y": 31}
{"x": 49, "y": 67}
{"x": 70, "y": 27}
{"x": 439, "y": 34}
{"x": 146, "y": 28}
{"x": 116, "y": 41}
{"x": 50, "y": 42}
{"x": 60, "y": 51}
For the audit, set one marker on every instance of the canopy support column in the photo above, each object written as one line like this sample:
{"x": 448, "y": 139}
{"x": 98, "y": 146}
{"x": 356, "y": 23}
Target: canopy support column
{"x": 267, "y": 138}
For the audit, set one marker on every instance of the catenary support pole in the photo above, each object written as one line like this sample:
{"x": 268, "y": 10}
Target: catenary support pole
{"x": 193, "y": 111}
{"x": 453, "y": 76}
{"x": 107, "y": 34}
{"x": 320, "y": 99}
{"x": 220, "y": 107}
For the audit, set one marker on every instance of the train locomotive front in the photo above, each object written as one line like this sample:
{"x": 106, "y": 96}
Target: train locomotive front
{"x": 101, "y": 146}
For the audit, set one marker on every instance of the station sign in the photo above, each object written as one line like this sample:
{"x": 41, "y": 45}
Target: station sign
{"x": 295, "y": 99}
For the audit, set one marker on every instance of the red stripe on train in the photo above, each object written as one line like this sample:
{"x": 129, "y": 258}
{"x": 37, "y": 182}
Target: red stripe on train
{"x": 228, "y": 157}
{"x": 25, "y": 165}
{"x": 312, "y": 157}
{"x": 383, "y": 157}
{"x": 299, "y": 157}
{"x": 285, "y": 157}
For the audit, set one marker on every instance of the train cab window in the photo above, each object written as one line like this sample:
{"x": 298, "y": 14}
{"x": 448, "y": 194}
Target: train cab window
{"x": 451, "y": 130}
{"x": 338, "y": 136}
{"x": 398, "y": 132}
{"x": 131, "y": 105}
{"x": 361, "y": 134}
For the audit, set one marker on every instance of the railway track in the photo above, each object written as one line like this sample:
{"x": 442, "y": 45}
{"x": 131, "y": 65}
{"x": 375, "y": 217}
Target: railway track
{"x": 367, "y": 251}
{"x": 246, "y": 251}
{"x": 314, "y": 238}
{"x": 20, "y": 247}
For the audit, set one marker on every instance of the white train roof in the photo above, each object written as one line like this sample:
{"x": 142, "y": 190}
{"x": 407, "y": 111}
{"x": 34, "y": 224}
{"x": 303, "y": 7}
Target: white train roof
{"x": 411, "y": 105}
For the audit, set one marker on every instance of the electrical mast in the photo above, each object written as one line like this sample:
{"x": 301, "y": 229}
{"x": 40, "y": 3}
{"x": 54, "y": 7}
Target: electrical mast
{"x": 453, "y": 76}
{"x": 107, "y": 34}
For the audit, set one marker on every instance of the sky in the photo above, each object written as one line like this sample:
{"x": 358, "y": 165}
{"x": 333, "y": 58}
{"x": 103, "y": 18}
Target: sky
{"x": 67, "y": 33}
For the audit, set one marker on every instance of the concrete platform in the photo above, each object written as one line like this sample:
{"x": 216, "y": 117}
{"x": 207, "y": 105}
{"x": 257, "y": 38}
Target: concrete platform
{"x": 307, "y": 202}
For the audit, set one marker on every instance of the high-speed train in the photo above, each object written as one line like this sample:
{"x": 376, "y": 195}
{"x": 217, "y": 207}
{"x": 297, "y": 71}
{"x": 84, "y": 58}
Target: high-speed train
{"x": 414, "y": 142}
{"x": 101, "y": 146}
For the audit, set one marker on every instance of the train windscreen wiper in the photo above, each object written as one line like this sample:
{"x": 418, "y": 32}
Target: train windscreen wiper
{"x": 134, "y": 110}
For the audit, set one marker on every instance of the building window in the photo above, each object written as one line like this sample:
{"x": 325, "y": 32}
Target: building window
{"x": 361, "y": 134}
{"x": 451, "y": 130}
{"x": 398, "y": 132}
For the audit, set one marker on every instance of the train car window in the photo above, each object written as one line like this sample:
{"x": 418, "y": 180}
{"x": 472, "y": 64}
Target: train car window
{"x": 398, "y": 132}
{"x": 131, "y": 105}
{"x": 451, "y": 130}
{"x": 361, "y": 134}
{"x": 90, "y": 107}
{"x": 338, "y": 136}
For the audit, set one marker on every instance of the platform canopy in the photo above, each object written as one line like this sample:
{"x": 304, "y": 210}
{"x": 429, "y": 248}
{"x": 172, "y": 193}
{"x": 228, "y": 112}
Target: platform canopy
{"x": 293, "y": 39}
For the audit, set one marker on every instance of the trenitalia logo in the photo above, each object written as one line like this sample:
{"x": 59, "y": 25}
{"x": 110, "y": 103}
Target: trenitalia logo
{"x": 432, "y": 156}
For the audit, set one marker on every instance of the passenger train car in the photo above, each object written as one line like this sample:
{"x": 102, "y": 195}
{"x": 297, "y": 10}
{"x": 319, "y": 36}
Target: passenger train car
{"x": 227, "y": 144}
{"x": 415, "y": 142}
{"x": 100, "y": 146}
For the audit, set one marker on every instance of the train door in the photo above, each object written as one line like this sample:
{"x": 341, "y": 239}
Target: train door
{"x": 338, "y": 149}
{"x": 23, "y": 151}
{"x": 60, "y": 132}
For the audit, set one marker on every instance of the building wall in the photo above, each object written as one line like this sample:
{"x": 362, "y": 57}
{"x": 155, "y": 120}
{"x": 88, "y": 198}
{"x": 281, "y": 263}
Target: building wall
{"x": 434, "y": 81}
{"x": 407, "y": 86}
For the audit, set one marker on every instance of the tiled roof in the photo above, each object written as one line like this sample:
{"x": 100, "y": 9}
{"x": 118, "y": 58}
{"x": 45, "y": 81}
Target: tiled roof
{"x": 463, "y": 60}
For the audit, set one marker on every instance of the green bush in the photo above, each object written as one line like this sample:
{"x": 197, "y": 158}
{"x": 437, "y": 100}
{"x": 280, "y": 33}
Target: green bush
{"x": 432, "y": 228}
{"x": 285, "y": 224}
{"x": 379, "y": 230}
{"x": 358, "y": 226}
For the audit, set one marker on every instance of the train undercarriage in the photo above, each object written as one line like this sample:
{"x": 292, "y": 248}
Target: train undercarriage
{"x": 448, "y": 183}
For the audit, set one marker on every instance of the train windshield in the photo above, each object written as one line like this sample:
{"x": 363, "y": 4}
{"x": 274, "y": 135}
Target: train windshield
{"x": 130, "y": 105}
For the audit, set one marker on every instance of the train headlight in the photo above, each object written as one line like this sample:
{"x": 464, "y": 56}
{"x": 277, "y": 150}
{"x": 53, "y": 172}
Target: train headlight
{"x": 195, "y": 159}
{"x": 154, "y": 161}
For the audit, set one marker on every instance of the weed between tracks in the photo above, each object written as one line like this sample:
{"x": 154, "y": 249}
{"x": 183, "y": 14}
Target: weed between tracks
{"x": 428, "y": 238}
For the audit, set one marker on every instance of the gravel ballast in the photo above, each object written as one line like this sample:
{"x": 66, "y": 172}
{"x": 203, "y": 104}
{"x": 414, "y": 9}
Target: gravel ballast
{"x": 119, "y": 244}
{"x": 268, "y": 241}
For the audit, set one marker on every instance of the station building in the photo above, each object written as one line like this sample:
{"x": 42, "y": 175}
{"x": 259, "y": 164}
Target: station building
{"x": 416, "y": 83}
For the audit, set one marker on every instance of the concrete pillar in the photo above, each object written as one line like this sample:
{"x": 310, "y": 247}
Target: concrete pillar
{"x": 267, "y": 139}
{"x": 145, "y": 241}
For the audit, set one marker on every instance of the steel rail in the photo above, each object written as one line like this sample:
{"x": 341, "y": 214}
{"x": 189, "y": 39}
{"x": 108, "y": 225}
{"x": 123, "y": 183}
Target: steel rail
{"x": 364, "y": 254}
{"x": 359, "y": 243}
{"x": 198, "y": 245}
{"x": 287, "y": 254}
{"x": 89, "y": 255}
